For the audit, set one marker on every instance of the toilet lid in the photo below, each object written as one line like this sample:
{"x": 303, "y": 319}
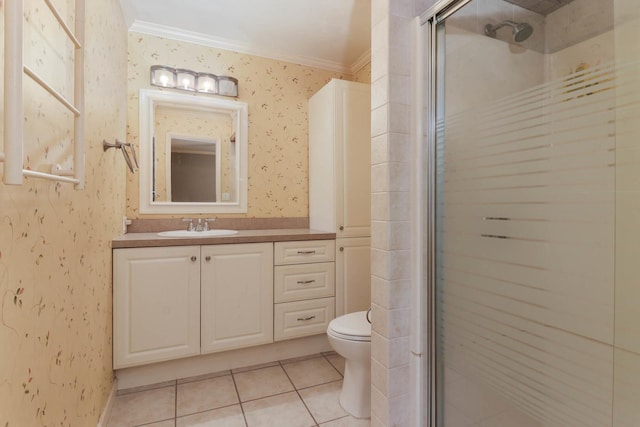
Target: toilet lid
{"x": 352, "y": 326}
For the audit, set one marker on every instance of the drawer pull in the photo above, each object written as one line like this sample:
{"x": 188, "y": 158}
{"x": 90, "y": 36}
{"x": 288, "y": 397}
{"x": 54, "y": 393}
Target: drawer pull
{"x": 305, "y": 282}
{"x": 306, "y": 252}
{"x": 302, "y": 319}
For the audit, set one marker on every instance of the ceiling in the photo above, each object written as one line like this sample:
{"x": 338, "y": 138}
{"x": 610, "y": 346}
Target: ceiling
{"x": 329, "y": 34}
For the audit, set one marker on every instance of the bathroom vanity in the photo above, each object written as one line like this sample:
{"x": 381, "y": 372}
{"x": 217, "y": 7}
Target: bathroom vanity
{"x": 176, "y": 298}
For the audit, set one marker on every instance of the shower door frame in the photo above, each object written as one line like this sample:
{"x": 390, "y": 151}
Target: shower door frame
{"x": 426, "y": 66}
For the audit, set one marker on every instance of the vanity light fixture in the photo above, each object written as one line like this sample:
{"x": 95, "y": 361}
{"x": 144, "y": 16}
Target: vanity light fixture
{"x": 163, "y": 76}
{"x": 207, "y": 83}
{"x": 183, "y": 79}
{"x": 186, "y": 79}
{"x": 227, "y": 86}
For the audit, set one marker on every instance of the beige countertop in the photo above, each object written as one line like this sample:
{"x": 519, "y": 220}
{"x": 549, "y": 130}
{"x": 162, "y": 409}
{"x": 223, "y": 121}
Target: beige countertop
{"x": 143, "y": 240}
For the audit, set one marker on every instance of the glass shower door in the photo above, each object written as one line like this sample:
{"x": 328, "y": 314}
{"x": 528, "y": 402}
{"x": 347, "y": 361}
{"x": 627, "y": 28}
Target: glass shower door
{"x": 527, "y": 95}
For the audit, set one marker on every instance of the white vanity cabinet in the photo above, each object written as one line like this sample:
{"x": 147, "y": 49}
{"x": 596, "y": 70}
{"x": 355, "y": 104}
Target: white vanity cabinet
{"x": 236, "y": 296}
{"x": 178, "y": 301}
{"x": 304, "y": 288}
{"x": 156, "y": 304}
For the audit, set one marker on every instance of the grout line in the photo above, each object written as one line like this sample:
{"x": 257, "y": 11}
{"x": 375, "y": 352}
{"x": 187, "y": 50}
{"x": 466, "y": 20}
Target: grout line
{"x": 175, "y": 405}
{"x": 333, "y": 366}
{"x": 244, "y": 416}
{"x": 300, "y": 397}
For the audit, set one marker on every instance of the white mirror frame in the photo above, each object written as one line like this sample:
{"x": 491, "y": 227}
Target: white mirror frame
{"x": 148, "y": 98}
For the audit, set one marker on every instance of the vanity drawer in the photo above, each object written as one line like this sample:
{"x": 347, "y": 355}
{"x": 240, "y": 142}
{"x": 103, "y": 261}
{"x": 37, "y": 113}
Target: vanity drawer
{"x": 304, "y": 281}
{"x": 302, "y": 318}
{"x": 304, "y": 252}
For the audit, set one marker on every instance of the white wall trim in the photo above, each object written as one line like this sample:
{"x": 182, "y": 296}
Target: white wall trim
{"x": 106, "y": 411}
{"x": 232, "y": 45}
{"x": 216, "y": 362}
{"x": 359, "y": 63}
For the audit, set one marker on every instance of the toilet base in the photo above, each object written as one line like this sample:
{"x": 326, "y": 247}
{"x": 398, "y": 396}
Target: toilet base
{"x": 355, "y": 397}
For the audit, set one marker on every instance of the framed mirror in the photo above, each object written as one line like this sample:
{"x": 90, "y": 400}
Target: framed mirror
{"x": 193, "y": 154}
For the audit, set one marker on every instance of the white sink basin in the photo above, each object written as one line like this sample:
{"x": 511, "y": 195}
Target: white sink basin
{"x": 190, "y": 234}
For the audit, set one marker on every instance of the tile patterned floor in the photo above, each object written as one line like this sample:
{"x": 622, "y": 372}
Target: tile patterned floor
{"x": 299, "y": 392}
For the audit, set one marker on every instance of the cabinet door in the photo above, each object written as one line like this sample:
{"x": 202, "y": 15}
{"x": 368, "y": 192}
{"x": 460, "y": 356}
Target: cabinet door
{"x": 353, "y": 275}
{"x": 236, "y": 296}
{"x": 156, "y": 304}
{"x": 353, "y": 157}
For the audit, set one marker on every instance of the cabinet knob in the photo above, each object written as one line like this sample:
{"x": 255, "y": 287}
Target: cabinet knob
{"x": 194, "y": 258}
{"x": 208, "y": 258}
{"x": 341, "y": 227}
{"x": 341, "y": 248}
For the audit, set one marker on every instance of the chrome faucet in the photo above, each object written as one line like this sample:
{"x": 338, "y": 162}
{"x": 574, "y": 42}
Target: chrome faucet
{"x": 190, "y": 226}
{"x": 202, "y": 225}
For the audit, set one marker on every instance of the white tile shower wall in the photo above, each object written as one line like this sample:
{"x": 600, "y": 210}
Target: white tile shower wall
{"x": 391, "y": 289}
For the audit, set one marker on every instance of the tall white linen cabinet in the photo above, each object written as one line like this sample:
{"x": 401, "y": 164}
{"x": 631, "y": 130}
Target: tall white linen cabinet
{"x": 340, "y": 184}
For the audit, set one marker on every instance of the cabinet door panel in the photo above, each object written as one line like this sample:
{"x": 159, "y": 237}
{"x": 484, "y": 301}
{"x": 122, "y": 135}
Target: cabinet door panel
{"x": 236, "y": 296}
{"x": 353, "y": 275}
{"x": 156, "y": 311}
{"x": 353, "y": 199}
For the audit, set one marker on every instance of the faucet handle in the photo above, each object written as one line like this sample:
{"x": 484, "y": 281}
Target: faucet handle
{"x": 190, "y": 227}
{"x": 206, "y": 223}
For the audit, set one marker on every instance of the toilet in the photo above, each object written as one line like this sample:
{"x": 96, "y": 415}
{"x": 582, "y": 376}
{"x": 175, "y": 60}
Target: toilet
{"x": 350, "y": 337}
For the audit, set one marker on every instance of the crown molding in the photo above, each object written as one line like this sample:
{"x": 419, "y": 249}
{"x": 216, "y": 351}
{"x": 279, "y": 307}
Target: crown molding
{"x": 359, "y": 63}
{"x": 232, "y": 45}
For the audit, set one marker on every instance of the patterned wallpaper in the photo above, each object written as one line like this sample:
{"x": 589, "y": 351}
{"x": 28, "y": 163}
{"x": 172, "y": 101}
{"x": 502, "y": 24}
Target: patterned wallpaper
{"x": 55, "y": 253}
{"x": 277, "y": 94}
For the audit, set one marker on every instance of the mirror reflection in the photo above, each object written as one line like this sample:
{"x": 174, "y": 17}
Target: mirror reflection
{"x": 194, "y": 147}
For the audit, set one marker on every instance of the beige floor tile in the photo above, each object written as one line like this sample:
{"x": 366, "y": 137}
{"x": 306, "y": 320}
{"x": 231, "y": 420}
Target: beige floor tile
{"x": 283, "y": 410}
{"x": 262, "y": 383}
{"x": 203, "y": 395}
{"x": 347, "y": 421}
{"x": 231, "y": 416}
{"x": 143, "y": 407}
{"x": 324, "y": 401}
{"x": 337, "y": 361}
{"x": 311, "y": 372}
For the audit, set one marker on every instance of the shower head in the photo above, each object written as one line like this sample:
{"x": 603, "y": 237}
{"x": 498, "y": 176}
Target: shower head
{"x": 521, "y": 30}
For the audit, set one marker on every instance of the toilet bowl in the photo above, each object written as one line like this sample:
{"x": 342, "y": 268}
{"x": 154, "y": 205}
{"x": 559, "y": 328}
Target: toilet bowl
{"x": 350, "y": 337}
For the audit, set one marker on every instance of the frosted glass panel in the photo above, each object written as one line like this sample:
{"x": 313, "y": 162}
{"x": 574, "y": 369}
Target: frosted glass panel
{"x": 537, "y": 202}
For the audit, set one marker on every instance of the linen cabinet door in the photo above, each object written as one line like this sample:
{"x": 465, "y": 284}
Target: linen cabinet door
{"x": 353, "y": 275}
{"x": 156, "y": 304}
{"x": 236, "y": 296}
